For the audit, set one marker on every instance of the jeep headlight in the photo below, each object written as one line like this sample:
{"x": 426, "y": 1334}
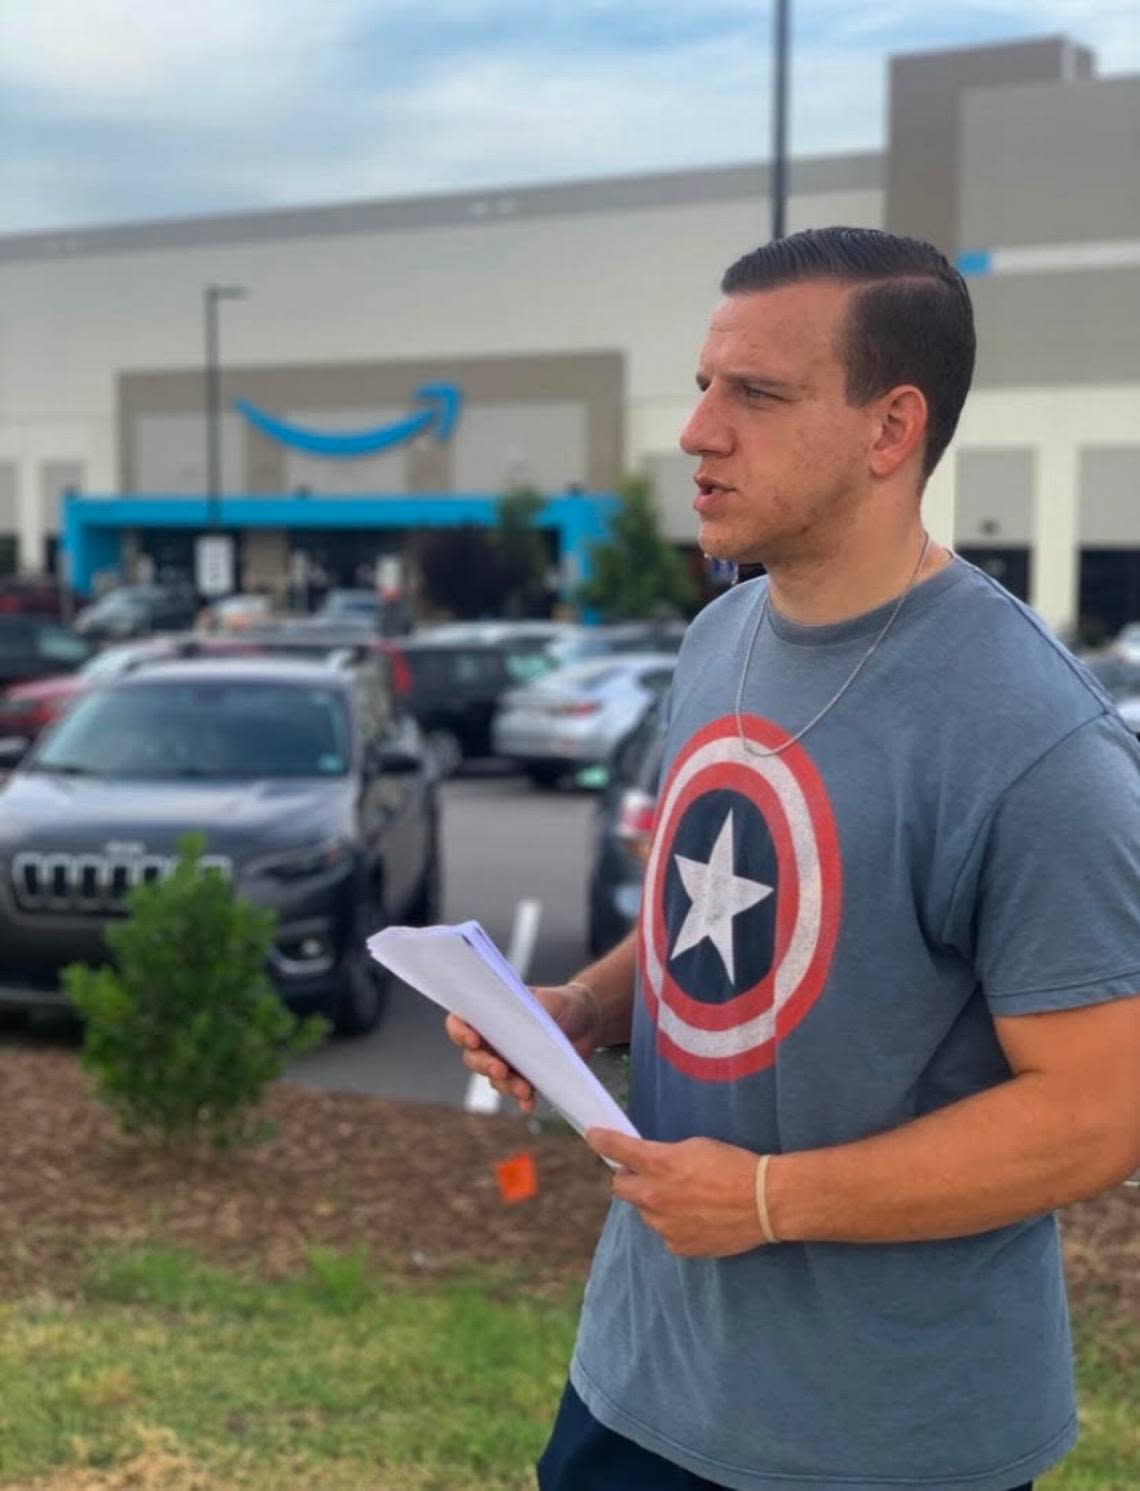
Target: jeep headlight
{"x": 304, "y": 863}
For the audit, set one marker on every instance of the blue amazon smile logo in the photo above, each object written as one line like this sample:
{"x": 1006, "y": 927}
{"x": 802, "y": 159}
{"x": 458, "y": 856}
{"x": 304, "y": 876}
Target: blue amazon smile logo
{"x": 442, "y": 400}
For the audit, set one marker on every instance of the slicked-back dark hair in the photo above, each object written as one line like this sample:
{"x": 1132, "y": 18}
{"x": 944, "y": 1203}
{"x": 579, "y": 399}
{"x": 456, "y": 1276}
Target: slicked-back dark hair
{"x": 910, "y": 321}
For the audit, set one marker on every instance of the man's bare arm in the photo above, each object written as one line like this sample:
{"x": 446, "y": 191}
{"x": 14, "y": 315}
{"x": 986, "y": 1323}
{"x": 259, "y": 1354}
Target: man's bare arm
{"x": 611, "y": 981}
{"x": 1066, "y": 1126}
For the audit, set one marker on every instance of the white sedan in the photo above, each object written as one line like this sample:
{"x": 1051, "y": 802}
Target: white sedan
{"x": 574, "y": 717}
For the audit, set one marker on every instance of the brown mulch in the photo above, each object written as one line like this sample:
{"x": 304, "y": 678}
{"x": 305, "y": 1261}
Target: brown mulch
{"x": 414, "y": 1184}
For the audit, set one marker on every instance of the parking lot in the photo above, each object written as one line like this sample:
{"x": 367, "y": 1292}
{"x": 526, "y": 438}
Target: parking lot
{"x": 503, "y": 842}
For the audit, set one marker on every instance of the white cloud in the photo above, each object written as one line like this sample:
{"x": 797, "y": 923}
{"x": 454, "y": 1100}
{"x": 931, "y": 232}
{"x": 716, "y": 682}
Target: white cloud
{"x": 121, "y": 50}
{"x": 130, "y": 108}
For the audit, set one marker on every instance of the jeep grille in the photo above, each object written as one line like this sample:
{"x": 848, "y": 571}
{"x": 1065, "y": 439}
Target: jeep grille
{"x": 92, "y": 884}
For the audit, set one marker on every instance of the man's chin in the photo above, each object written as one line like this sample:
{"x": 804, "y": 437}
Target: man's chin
{"x": 715, "y": 543}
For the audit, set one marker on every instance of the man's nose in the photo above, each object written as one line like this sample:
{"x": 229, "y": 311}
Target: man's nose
{"x": 706, "y": 431}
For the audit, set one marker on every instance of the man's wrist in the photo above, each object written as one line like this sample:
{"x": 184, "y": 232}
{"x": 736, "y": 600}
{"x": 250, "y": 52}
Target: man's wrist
{"x": 592, "y": 1003}
{"x": 802, "y": 1189}
{"x": 761, "y": 1189}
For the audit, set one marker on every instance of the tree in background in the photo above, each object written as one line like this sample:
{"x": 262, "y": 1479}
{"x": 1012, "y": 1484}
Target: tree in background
{"x": 460, "y": 571}
{"x": 523, "y": 558}
{"x": 473, "y": 572}
{"x": 638, "y": 574}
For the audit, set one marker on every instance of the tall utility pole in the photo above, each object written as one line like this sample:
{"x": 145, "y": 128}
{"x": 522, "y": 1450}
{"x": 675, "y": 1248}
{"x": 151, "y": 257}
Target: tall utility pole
{"x": 780, "y": 117}
{"x": 211, "y": 295}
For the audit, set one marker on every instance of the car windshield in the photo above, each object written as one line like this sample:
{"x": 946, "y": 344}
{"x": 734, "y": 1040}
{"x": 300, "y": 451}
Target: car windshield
{"x": 528, "y": 663}
{"x": 474, "y": 667}
{"x": 54, "y": 644}
{"x": 205, "y": 729}
{"x": 121, "y": 600}
{"x": 113, "y": 661}
{"x": 16, "y": 638}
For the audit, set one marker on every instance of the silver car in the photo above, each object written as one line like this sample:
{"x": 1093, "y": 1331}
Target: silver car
{"x": 574, "y": 717}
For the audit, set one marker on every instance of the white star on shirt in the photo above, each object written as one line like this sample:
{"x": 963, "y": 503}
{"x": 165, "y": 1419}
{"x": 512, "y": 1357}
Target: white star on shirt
{"x": 718, "y": 895}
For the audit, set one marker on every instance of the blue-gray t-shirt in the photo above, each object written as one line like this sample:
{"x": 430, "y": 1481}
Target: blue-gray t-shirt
{"x": 826, "y": 935}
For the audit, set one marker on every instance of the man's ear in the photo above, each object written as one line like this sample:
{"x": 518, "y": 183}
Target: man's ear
{"x": 900, "y": 429}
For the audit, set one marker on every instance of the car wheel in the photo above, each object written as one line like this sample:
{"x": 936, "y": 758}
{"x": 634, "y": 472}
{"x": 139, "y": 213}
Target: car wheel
{"x": 544, "y": 773}
{"x": 447, "y": 749}
{"x": 365, "y": 984}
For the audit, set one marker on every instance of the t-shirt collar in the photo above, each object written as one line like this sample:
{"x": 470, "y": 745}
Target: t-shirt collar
{"x": 924, "y": 595}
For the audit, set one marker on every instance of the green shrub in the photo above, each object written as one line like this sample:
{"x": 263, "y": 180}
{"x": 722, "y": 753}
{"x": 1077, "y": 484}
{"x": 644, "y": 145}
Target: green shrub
{"x": 184, "y": 1032}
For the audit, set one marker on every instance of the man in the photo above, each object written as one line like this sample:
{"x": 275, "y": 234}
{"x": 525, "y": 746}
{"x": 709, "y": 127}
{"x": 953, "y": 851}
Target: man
{"x": 885, "y": 1016}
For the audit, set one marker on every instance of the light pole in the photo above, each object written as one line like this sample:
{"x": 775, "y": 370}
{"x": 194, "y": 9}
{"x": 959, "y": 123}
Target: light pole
{"x": 780, "y": 117}
{"x": 211, "y": 295}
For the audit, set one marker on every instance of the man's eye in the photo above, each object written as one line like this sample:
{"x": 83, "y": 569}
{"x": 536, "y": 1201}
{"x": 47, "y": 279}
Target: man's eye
{"x": 755, "y": 394}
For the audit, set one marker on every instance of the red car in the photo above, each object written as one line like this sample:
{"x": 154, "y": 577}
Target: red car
{"x": 28, "y": 708}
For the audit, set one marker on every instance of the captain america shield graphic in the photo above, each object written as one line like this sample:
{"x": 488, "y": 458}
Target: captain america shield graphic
{"x": 742, "y": 898}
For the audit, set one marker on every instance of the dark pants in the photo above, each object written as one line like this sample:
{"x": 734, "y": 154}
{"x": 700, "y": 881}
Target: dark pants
{"x": 584, "y": 1456}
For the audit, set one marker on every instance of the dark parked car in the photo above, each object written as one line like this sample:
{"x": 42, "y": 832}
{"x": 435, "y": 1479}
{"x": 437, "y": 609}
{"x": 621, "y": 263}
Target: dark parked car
{"x": 622, "y": 833}
{"x": 310, "y": 636}
{"x": 35, "y": 595}
{"x": 34, "y": 647}
{"x": 389, "y": 615}
{"x": 456, "y": 687}
{"x": 314, "y": 794}
{"x": 137, "y": 611}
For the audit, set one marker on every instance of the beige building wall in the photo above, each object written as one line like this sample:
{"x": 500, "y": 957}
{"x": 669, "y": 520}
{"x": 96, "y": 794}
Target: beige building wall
{"x": 1060, "y": 426}
{"x": 629, "y": 264}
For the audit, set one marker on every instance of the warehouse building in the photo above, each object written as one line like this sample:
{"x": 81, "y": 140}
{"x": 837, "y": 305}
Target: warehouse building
{"x": 393, "y": 365}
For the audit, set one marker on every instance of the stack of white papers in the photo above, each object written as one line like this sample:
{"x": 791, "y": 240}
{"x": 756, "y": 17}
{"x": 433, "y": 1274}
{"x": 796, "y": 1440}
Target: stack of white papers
{"x": 462, "y": 970}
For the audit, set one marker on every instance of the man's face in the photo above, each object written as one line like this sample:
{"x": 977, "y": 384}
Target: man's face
{"x": 782, "y": 455}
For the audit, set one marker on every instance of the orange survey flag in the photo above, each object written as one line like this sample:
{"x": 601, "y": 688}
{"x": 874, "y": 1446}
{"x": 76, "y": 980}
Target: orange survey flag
{"x": 517, "y": 1177}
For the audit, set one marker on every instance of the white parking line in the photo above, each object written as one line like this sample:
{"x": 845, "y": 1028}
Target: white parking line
{"x": 481, "y": 1096}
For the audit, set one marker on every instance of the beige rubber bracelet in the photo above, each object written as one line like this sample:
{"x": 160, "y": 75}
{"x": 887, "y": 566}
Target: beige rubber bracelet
{"x": 593, "y": 1001}
{"x": 762, "y": 1199}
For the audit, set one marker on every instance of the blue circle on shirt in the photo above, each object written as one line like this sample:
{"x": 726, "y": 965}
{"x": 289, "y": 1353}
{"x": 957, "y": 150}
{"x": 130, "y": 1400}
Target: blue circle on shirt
{"x": 700, "y": 971}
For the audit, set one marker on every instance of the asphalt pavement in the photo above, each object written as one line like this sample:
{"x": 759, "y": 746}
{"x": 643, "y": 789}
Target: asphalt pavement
{"x": 503, "y": 842}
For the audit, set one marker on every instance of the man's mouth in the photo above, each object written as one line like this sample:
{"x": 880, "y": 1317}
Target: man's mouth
{"x": 706, "y": 484}
{"x": 708, "y": 492}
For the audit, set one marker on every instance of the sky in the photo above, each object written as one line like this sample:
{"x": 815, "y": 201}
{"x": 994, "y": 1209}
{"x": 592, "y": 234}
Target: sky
{"x": 124, "y": 110}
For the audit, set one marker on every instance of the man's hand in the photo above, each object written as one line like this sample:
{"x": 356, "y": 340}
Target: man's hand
{"x": 573, "y": 1012}
{"x": 699, "y": 1194}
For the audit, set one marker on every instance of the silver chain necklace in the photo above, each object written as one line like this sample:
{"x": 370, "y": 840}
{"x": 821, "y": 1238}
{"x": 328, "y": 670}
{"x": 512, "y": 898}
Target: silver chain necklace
{"x": 754, "y": 750}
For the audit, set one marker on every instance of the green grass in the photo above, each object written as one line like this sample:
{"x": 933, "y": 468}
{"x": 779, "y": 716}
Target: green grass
{"x": 346, "y": 1380}
{"x": 1107, "y": 1456}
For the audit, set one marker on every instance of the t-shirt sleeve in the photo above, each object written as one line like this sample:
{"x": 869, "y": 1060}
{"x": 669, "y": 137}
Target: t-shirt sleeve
{"x": 1058, "y": 890}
